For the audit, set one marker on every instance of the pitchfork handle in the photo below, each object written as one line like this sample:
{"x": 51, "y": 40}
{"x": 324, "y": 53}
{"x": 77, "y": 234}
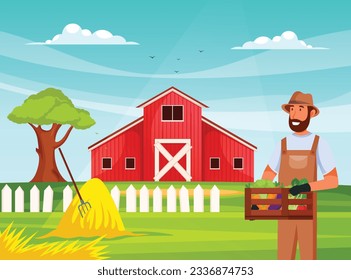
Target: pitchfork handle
{"x": 70, "y": 174}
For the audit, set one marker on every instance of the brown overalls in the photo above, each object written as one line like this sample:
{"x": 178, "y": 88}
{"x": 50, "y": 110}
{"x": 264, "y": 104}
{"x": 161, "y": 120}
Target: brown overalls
{"x": 298, "y": 164}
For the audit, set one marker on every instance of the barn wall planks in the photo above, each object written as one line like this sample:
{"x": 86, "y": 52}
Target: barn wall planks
{"x": 207, "y": 140}
{"x": 190, "y": 128}
{"x": 219, "y": 145}
{"x": 127, "y": 144}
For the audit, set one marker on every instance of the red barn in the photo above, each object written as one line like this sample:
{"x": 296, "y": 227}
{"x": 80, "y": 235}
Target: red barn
{"x": 172, "y": 141}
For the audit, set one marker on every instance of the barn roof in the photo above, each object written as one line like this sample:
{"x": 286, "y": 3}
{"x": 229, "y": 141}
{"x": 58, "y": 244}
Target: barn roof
{"x": 228, "y": 133}
{"x": 175, "y": 90}
{"x": 114, "y": 134}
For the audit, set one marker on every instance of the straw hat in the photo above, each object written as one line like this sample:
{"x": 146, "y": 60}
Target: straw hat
{"x": 300, "y": 98}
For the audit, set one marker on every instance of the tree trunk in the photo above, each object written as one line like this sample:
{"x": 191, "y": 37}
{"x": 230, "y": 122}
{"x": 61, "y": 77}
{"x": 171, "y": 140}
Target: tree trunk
{"x": 47, "y": 170}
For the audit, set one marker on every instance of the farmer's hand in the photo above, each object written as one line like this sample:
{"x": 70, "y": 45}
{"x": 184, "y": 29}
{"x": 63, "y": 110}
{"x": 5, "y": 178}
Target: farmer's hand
{"x": 300, "y": 188}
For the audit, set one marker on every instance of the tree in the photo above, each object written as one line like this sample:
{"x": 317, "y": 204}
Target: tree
{"x": 50, "y": 107}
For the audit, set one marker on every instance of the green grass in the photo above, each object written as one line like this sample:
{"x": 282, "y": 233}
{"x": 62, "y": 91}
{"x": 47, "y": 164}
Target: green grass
{"x": 224, "y": 235}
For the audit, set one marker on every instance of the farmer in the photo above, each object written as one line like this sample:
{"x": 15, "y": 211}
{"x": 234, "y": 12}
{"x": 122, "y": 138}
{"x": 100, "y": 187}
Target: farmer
{"x": 297, "y": 156}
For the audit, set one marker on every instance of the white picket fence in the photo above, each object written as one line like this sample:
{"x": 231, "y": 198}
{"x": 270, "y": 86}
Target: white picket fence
{"x": 131, "y": 196}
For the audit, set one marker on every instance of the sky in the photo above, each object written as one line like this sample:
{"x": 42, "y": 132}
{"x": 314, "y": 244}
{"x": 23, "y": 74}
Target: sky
{"x": 241, "y": 58}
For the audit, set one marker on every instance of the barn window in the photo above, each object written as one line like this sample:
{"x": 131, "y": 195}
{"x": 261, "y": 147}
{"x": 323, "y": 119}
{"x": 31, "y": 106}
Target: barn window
{"x": 172, "y": 113}
{"x": 238, "y": 163}
{"x": 214, "y": 163}
{"x": 177, "y": 113}
{"x": 107, "y": 163}
{"x": 130, "y": 163}
{"x": 166, "y": 113}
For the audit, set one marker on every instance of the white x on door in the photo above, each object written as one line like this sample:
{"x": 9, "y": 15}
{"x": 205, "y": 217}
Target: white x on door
{"x": 173, "y": 161}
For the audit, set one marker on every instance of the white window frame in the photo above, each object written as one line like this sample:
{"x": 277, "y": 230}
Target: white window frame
{"x": 125, "y": 163}
{"x": 102, "y": 163}
{"x": 242, "y": 163}
{"x": 162, "y": 120}
{"x": 219, "y": 163}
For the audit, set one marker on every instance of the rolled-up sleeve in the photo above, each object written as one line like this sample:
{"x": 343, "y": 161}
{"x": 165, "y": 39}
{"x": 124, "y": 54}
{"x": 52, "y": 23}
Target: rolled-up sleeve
{"x": 274, "y": 162}
{"x": 325, "y": 158}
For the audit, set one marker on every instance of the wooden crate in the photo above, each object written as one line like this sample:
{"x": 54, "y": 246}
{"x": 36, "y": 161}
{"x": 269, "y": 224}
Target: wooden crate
{"x": 283, "y": 213}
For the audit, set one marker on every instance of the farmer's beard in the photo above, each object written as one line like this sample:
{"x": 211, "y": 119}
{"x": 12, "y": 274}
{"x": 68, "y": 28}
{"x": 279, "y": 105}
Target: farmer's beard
{"x": 298, "y": 125}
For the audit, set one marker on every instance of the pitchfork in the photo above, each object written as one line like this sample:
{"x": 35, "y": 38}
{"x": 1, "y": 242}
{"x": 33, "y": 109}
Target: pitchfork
{"x": 83, "y": 207}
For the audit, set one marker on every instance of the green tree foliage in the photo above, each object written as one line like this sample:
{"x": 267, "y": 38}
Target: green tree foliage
{"x": 51, "y": 106}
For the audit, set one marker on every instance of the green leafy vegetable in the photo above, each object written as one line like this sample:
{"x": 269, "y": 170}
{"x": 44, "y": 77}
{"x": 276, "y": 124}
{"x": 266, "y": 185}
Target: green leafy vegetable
{"x": 296, "y": 182}
{"x": 263, "y": 184}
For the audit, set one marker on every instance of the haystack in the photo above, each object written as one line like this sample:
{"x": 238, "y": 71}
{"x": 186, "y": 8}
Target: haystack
{"x": 103, "y": 219}
{"x": 14, "y": 245}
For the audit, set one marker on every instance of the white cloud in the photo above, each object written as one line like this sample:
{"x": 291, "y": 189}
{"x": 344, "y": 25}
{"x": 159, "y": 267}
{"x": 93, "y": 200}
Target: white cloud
{"x": 259, "y": 64}
{"x": 73, "y": 34}
{"x": 287, "y": 41}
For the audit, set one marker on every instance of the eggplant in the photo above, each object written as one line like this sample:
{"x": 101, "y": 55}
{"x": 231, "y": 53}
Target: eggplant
{"x": 275, "y": 206}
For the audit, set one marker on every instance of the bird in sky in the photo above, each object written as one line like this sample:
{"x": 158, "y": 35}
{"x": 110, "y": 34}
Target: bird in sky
{"x": 152, "y": 56}
{"x": 178, "y": 58}
{"x": 176, "y": 71}
{"x": 201, "y": 51}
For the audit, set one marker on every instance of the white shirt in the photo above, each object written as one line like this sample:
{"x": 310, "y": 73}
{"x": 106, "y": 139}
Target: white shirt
{"x": 325, "y": 159}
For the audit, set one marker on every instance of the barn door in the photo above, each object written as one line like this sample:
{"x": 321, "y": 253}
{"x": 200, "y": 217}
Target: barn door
{"x": 172, "y": 160}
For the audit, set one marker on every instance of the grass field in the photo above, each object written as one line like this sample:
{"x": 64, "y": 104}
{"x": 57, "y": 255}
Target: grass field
{"x": 224, "y": 235}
